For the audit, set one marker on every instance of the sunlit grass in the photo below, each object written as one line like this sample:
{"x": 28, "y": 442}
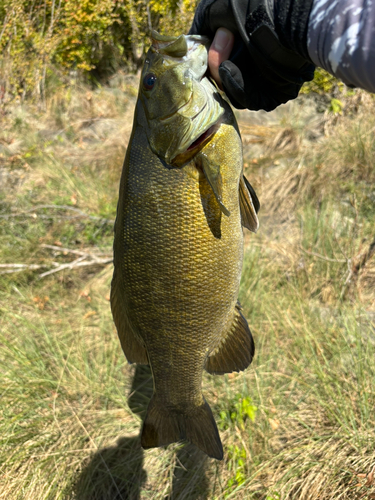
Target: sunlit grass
{"x": 298, "y": 424}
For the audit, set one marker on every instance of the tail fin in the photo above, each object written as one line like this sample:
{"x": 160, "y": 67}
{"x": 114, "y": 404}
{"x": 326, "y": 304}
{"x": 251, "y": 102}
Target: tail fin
{"x": 197, "y": 425}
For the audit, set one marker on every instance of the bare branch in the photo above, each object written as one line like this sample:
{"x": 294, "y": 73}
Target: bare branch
{"x": 76, "y": 252}
{"x": 4, "y": 26}
{"x": 16, "y": 268}
{"x": 355, "y": 266}
{"x": 31, "y": 213}
{"x": 323, "y": 257}
{"x": 77, "y": 263}
{"x": 85, "y": 259}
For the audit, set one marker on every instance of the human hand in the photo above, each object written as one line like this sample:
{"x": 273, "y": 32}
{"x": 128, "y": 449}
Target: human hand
{"x": 260, "y": 72}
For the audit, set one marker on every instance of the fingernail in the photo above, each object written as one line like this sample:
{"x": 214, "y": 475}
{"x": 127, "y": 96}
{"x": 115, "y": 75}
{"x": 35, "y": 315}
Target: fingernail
{"x": 221, "y": 39}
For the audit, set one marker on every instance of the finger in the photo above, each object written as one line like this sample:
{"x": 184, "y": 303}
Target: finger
{"x": 219, "y": 51}
{"x": 233, "y": 84}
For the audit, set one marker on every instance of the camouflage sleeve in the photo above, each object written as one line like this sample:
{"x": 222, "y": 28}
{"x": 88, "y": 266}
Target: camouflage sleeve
{"x": 341, "y": 39}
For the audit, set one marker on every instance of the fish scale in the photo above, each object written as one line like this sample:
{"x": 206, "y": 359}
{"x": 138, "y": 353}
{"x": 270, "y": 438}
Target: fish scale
{"x": 178, "y": 261}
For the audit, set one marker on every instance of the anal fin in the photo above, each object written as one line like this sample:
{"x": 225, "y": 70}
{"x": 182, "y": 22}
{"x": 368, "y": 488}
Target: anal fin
{"x": 249, "y": 205}
{"x": 236, "y": 351}
{"x": 133, "y": 349}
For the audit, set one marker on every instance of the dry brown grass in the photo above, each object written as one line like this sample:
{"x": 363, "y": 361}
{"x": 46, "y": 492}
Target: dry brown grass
{"x": 71, "y": 406}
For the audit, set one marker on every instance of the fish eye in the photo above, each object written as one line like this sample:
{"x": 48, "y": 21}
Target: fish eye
{"x": 149, "y": 81}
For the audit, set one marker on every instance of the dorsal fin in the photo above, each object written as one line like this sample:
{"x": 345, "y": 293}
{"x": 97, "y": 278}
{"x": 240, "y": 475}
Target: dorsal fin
{"x": 169, "y": 45}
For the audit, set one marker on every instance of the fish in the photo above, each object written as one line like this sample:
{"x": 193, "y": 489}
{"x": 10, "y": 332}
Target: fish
{"x": 178, "y": 245}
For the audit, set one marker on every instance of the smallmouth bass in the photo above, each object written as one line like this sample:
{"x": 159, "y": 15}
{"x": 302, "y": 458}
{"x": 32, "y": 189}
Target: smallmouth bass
{"x": 178, "y": 245}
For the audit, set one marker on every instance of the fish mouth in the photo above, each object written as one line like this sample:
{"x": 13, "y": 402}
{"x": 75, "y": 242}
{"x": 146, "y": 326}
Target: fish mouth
{"x": 204, "y": 123}
{"x": 191, "y": 125}
{"x": 196, "y": 145}
{"x": 203, "y": 137}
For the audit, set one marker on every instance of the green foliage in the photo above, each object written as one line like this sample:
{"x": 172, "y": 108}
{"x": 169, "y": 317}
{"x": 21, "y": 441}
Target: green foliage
{"x": 238, "y": 413}
{"x": 89, "y": 36}
{"x": 336, "y": 106}
{"x": 273, "y": 496}
{"x": 86, "y": 26}
{"x": 323, "y": 83}
{"x": 237, "y": 467}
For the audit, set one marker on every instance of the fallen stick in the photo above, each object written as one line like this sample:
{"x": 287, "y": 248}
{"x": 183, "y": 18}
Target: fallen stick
{"x": 16, "y": 268}
{"x": 76, "y": 252}
{"x": 31, "y": 213}
{"x": 77, "y": 263}
{"x": 80, "y": 262}
{"x": 323, "y": 257}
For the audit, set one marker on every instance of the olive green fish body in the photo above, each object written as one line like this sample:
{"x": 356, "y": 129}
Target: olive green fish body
{"x": 178, "y": 263}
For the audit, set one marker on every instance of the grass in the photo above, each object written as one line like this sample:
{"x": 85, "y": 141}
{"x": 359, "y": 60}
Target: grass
{"x": 298, "y": 424}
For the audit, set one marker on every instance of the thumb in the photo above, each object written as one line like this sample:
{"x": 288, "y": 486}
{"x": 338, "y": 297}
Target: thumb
{"x": 220, "y": 50}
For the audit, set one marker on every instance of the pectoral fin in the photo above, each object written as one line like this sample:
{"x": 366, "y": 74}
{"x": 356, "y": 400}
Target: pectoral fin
{"x": 133, "y": 349}
{"x": 213, "y": 176}
{"x": 249, "y": 205}
{"x": 236, "y": 350}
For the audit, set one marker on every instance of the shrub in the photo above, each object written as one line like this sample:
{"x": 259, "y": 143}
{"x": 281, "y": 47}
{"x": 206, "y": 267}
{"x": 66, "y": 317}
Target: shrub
{"x": 90, "y": 36}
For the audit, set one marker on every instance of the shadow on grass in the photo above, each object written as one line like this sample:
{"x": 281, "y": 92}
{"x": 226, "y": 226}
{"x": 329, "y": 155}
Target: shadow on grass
{"x": 117, "y": 473}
